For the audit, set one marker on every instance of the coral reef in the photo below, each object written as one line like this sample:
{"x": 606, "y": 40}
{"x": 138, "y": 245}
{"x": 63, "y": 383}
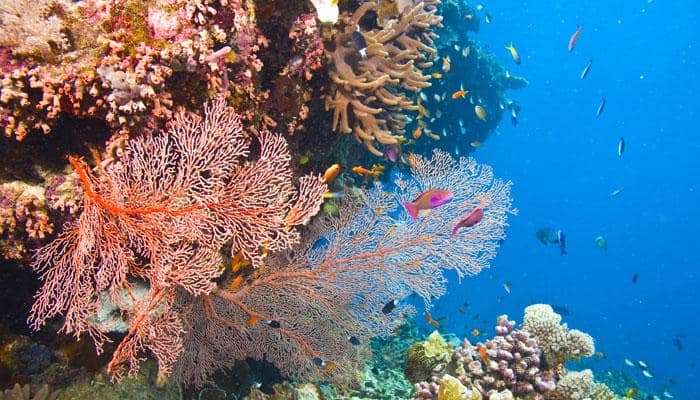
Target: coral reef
{"x": 557, "y": 342}
{"x": 372, "y": 69}
{"x": 129, "y": 63}
{"x": 428, "y": 357}
{"x": 24, "y": 392}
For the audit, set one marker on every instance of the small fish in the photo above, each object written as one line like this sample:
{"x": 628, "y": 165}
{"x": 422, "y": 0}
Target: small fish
{"x": 513, "y": 53}
{"x": 514, "y": 117}
{"x": 319, "y": 362}
{"x": 574, "y": 38}
{"x": 475, "y": 332}
{"x": 667, "y": 394}
{"x": 437, "y": 75}
{"x": 643, "y": 364}
{"x": 629, "y": 362}
{"x": 238, "y": 262}
{"x": 257, "y": 385}
{"x": 236, "y": 282}
{"x": 353, "y": 340}
{"x": 470, "y": 220}
{"x": 620, "y": 147}
{"x": 466, "y": 51}
{"x": 601, "y": 242}
{"x": 446, "y": 64}
{"x": 616, "y": 191}
{"x": 561, "y": 237}
{"x": 600, "y": 355}
{"x": 601, "y": 107}
{"x": 273, "y": 324}
{"x": 418, "y": 132}
{"x": 331, "y": 173}
{"x": 426, "y": 201}
{"x": 482, "y": 354}
{"x": 561, "y": 310}
{"x": 334, "y": 195}
{"x": 253, "y": 320}
{"x": 389, "y": 307}
{"x": 459, "y": 94}
{"x": 431, "y": 321}
{"x": 631, "y": 392}
{"x": 487, "y": 18}
{"x": 358, "y": 41}
{"x": 587, "y": 68}
{"x": 469, "y": 16}
{"x": 437, "y": 99}
{"x": 647, "y": 374}
{"x": 392, "y": 152}
{"x": 506, "y": 287}
{"x": 678, "y": 342}
{"x": 303, "y": 160}
{"x": 635, "y": 277}
{"x": 432, "y": 135}
{"x": 457, "y": 47}
{"x": 361, "y": 170}
{"x": 480, "y": 112}
{"x": 476, "y": 316}
{"x": 461, "y": 309}
{"x": 423, "y": 96}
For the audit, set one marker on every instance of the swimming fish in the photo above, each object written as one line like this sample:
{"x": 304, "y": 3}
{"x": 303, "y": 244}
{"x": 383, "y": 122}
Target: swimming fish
{"x": 635, "y": 277}
{"x": 574, "y": 38}
{"x": 446, "y": 66}
{"x": 437, "y": 75}
{"x": 488, "y": 18}
{"x": 630, "y": 393}
{"x": 459, "y": 94}
{"x": 252, "y": 321}
{"x": 552, "y": 236}
{"x": 303, "y": 160}
{"x": 620, "y": 147}
{"x": 561, "y": 237}
{"x": 466, "y": 51}
{"x": 601, "y": 107}
{"x": 334, "y": 195}
{"x": 643, "y": 364}
{"x": 482, "y": 353}
{"x": 667, "y": 394}
{"x": 561, "y": 310}
{"x": 392, "y": 152}
{"x": 273, "y": 324}
{"x": 678, "y": 342}
{"x": 331, "y": 173}
{"x": 629, "y": 362}
{"x": 358, "y": 41}
{"x": 480, "y": 112}
{"x": 586, "y": 69}
{"x": 601, "y": 242}
{"x": 647, "y": 374}
{"x": 418, "y": 132}
{"x": 365, "y": 172}
{"x": 507, "y": 287}
{"x": 389, "y": 307}
{"x": 353, "y": 340}
{"x": 470, "y": 220}
{"x": 475, "y": 332}
{"x": 616, "y": 191}
{"x": 431, "y": 321}
{"x": 475, "y": 144}
{"x": 513, "y": 53}
{"x": 514, "y": 117}
{"x": 236, "y": 282}
{"x": 426, "y": 201}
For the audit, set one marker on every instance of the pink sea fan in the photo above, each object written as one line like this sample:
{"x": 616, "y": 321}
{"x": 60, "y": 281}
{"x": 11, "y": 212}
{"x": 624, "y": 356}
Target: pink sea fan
{"x": 334, "y": 283}
{"x": 160, "y": 214}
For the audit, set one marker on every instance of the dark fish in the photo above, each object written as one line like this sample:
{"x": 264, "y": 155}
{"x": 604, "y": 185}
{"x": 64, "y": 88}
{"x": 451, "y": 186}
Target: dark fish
{"x": 389, "y": 307}
{"x": 620, "y": 147}
{"x": 318, "y": 362}
{"x": 586, "y": 69}
{"x": 476, "y": 316}
{"x": 273, "y": 324}
{"x": 360, "y": 44}
{"x": 635, "y": 277}
{"x": 561, "y": 237}
{"x": 678, "y": 342}
{"x": 561, "y": 310}
{"x": 601, "y": 107}
{"x": 547, "y": 235}
{"x": 354, "y": 340}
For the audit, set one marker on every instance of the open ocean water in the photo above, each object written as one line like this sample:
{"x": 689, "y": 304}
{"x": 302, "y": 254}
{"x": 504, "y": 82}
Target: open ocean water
{"x": 564, "y": 164}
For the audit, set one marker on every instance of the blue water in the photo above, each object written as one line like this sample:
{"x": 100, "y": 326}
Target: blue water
{"x": 563, "y": 162}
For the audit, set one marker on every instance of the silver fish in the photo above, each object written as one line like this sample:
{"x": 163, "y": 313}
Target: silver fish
{"x": 616, "y": 191}
{"x": 620, "y": 147}
{"x": 601, "y": 107}
{"x": 586, "y": 69}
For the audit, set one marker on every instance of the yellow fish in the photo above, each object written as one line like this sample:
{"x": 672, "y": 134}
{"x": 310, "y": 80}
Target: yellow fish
{"x": 475, "y": 144}
{"x": 446, "y": 64}
{"x": 475, "y": 332}
{"x": 418, "y": 132}
{"x": 303, "y": 160}
{"x": 480, "y": 112}
{"x": 437, "y": 75}
{"x": 514, "y": 53}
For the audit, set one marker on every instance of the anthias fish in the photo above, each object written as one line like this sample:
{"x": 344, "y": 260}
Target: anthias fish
{"x": 620, "y": 147}
{"x": 470, "y": 220}
{"x": 584, "y": 73}
{"x": 480, "y": 112}
{"x": 427, "y": 201}
{"x": 513, "y": 53}
{"x": 331, "y": 173}
{"x": 574, "y": 38}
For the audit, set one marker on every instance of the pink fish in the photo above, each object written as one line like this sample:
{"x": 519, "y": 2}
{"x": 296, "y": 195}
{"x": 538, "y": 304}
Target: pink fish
{"x": 427, "y": 200}
{"x": 472, "y": 219}
{"x": 574, "y": 38}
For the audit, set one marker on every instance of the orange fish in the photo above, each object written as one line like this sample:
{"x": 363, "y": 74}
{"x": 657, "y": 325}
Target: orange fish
{"x": 252, "y": 320}
{"x": 331, "y": 173}
{"x": 437, "y": 75}
{"x": 361, "y": 170}
{"x": 483, "y": 355}
{"x": 431, "y": 321}
{"x": 238, "y": 262}
{"x": 329, "y": 366}
{"x": 236, "y": 282}
{"x": 418, "y": 132}
{"x": 460, "y": 93}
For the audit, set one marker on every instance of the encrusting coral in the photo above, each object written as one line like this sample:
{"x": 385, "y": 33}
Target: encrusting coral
{"x": 372, "y": 69}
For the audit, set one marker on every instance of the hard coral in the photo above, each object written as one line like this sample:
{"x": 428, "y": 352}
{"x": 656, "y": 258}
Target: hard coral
{"x": 372, "y": 69}
{"x": 23, "y": 218}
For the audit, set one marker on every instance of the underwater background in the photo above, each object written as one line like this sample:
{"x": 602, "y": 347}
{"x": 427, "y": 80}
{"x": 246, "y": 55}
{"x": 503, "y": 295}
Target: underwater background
{"x": 629, "y": 214}
{"x": 564, "y": 163}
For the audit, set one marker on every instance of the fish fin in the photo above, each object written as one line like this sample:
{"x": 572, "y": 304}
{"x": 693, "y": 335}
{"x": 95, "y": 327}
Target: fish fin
{"x": 411, "y": 209}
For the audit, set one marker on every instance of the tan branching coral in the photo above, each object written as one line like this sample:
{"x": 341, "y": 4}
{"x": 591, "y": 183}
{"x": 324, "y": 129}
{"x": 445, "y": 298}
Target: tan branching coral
{"x": 372, "y": 71}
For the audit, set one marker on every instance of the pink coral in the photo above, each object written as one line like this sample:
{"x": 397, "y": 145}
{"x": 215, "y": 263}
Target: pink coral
{"x": 160, "y": 213}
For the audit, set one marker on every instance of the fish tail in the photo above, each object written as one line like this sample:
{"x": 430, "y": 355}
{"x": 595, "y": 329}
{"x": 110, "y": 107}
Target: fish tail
{"x": 412, "y": 210}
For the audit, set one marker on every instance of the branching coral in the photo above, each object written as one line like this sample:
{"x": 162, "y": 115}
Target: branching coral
{"x": 371, "y": 71}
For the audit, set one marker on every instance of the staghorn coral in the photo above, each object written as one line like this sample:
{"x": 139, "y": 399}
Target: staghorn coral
{"x": 335, "y": 283}
{"x": 160, "y": 214}
{"x": 557, "y": 342}
{"x": 368, "y": 97}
